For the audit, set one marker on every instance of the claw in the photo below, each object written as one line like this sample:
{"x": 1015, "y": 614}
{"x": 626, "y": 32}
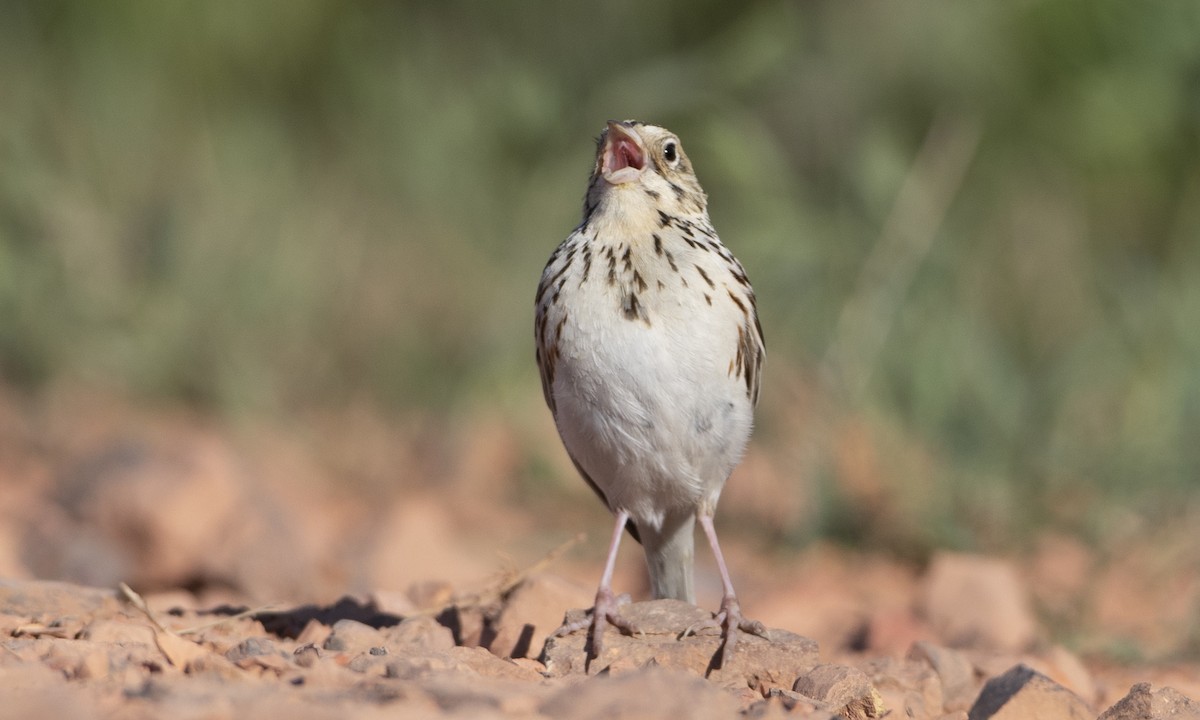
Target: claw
{"x": 601, "y": 615}
{"x": 730, "y": 621}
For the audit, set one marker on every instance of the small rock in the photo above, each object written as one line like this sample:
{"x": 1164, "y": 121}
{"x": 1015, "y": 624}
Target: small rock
{"x": 351, "y": 636}
{"x": 974, "y": 601}
{"x": 910, "y": 688}
{"x": 1166, "y": 703}
{"x": 421, "y": 632}
{"x": 368, "y": 664}
{"x": 534, "y": 610}
{"x": 1065, "y": 667}
{"x": 955, "y": 671}
{"x": 250, "y": 647}
{"x": 306, "y": 655}
{"x": 315, "y": 632}
{"x": 841, "y": 689}
{"x": 212, "y": 665}
{"x": 1023, "y": 693}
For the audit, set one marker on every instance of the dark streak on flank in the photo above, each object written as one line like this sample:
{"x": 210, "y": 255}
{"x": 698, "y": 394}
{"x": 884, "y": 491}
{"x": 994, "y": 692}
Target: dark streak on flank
{"x": 740, "y": 359}
{"x": 740, "y": 276}
{"x": 677, "y": 190}
{"x": 587, "y": 265}
{"x": 657, "y": 244}
{"x": 671, "y": 261}
{"x": 664, "y": 219}
{"x": 737, "y": 302}
{"x": 637, "y": 278}
{"x": 632, "y": 309}
{"x": 653, "y": 193}
{"x": 704, "y": 275}
{"x": 708, "y": 298}
{"x": 546, "y": 285}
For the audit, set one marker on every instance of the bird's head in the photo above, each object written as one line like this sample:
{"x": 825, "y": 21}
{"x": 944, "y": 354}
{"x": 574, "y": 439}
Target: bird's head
{"x": 646, "y": 160}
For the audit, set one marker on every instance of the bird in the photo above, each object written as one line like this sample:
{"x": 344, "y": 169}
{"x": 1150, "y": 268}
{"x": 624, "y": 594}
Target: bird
{"x": 650, "y": 352}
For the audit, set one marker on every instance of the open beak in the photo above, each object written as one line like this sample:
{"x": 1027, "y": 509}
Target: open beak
{"x": 624, "y": 155}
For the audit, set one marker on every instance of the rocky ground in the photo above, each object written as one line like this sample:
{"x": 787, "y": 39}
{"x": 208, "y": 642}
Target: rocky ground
{"x": 76, "y": 652}
{"x": 342, "y": 569}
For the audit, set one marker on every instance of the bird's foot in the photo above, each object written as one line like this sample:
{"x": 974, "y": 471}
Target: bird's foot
{"x": 603, "y": 613}
{"x": 730, "y": 621}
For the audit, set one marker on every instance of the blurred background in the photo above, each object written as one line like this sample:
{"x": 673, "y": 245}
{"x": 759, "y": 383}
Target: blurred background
{"x": 267, "y": 270}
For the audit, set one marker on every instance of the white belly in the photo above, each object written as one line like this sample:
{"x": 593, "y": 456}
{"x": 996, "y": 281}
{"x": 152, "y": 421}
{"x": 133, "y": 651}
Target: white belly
{"x": 651, "y": 411}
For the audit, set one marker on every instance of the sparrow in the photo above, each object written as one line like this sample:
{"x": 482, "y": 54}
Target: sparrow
{"x": 650, "y": 353}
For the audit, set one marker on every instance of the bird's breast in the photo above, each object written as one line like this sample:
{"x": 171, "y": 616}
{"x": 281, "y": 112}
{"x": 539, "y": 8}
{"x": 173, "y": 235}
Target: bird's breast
{"x": 643, "y": 339}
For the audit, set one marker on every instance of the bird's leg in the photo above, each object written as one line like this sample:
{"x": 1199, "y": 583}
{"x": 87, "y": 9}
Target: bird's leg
{"x": 604, "y": 612}
{"x": 729, "y": 618}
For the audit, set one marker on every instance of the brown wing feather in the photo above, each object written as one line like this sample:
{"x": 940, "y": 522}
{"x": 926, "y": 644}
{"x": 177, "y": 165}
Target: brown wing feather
{"x": 751, "y": 349}
{"x": 758, "y": 354}
{"x": 546, "y": 351}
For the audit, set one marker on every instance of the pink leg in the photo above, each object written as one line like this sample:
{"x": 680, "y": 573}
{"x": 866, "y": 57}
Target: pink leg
{"x": 604, "y": 612}
{"x": 729, "y": 617}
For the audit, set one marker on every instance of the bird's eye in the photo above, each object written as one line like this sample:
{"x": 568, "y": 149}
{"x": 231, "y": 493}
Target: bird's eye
{"x": 669, "y": 153}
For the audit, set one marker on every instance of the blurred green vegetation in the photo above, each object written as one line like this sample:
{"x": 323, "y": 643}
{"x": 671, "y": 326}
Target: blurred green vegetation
{"x": 282, "y": 205}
